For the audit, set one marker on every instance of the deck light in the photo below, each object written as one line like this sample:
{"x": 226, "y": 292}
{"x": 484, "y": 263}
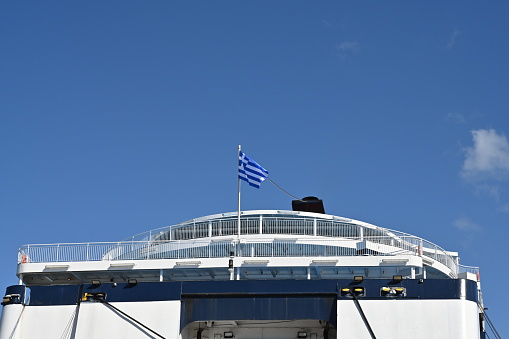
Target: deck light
{"x": 325, "y": 261}
{"x": 188, "y": 263}
{"x": 256, "y": 262}
{"x": 346, "y": 292}
{"x": 358, "y": 278}
{"x": 302, "y": 334}
{"x": 395, "y": 261}
{"x": 359, "y": 291}
{"x": 96, "y": 282}
{"x": 399, "y": 290}
{"x": 228, "y": 334}
{"x": 397, "y": 278}
{"x": 385, "y": 291}
{"x": 56, "y": 267}
{"x": 123, "y": 264}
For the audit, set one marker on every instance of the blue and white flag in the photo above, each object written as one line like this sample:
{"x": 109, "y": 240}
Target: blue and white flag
{"x": 250, "y": 171}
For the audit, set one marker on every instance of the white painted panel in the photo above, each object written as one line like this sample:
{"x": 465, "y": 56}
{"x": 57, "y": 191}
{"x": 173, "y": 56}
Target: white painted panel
{"x": 416, "y": 319}
{"x": 96, "y": 320}
{"x": 10, "y": 317}
{"x": 39, "y": 322}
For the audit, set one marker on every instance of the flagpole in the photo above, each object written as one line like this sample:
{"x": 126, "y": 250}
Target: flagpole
{"x": 238, "y": 198}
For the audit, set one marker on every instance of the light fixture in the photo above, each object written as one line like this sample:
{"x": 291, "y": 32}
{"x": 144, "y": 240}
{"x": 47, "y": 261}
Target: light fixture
{"x": 132, "y": 281}
{"x": 256, "y": 262}
{"x": 392, "y": 291}
{"x": 56, "y": 267}
{"x": 358, "y": 278}
{"x": 345, "y": 291}
{"x": 325, "y": 261}
{"x": 188, "y": 263}
{"x": 385, "y": 291}
{"x": 96, "y": 282}
{"x": 400, "y": 290}
{"x": 228, "y": 334}
{"x": 302, "y": 334}
{"x": 395, "y": 261}
{"x": 122, "y": 264}
{"x": 359, "y": 291}
{"x": 397, "y": 278}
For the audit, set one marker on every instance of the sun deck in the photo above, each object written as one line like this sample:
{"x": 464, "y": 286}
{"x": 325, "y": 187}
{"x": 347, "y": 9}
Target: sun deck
{"x": 270, "y": 245}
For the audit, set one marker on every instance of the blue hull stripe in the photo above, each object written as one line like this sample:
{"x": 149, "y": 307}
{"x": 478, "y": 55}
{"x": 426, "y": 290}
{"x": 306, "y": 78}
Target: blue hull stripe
{"x": 159, "y": 291}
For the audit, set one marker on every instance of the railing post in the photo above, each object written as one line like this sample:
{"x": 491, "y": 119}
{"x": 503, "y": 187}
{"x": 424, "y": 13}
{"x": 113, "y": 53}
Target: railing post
{"x": 148, "y": 249}
{"x": 261, "y": 224}
{"x": 314, "y": 226}
{"x": 58, "y": 252}
{"x": 88, "y": 246}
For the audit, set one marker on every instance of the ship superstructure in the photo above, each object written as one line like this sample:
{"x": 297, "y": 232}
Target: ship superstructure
{"x": 267, "y": 274}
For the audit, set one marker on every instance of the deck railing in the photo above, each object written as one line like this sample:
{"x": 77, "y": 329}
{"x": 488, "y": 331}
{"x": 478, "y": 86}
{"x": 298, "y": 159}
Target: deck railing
{"x": 248, "y": 247}
{"x": 264, "y": 224}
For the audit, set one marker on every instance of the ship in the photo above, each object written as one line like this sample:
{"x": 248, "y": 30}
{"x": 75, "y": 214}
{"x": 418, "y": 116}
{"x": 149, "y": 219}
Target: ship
{"x": 298, "y": 273}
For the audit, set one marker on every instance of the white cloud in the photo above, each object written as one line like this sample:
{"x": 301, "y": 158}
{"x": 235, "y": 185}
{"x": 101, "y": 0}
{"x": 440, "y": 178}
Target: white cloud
{"x": 465, "y": 224}
{"x": 488, "y": 158}
{"x": 452, "y": 38}
{"x": 326, "y": 23}
{"x": 468, "y": 230}
{"x": 504, "y": 208}
{"x": 348, "y": 46}
{"x": 491, "y": 191}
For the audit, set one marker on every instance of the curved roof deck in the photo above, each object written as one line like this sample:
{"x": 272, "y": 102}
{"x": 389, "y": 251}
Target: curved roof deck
{"x": 300, "y": 233}
{"x": 263, "y": 233}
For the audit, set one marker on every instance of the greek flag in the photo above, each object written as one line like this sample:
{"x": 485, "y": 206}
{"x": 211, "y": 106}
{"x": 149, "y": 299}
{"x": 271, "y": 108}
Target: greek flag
{"x": 250, "y": 171}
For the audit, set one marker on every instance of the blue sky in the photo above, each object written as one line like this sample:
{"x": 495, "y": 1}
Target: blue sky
{"x": 117, "y": 117}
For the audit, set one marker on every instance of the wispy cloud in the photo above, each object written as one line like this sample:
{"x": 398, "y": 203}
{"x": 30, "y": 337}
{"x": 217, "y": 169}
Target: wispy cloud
{"x": 488, "y": 190}
{"x": 452, "y": 38}
{"x": 504, "y": 208}
{"x": 347, "y": 47}
{"x": 326, "y": 23}
{"x": 468, "y": 230}
{"x": 488, "y": 158}
{"x": 466, "y": 225}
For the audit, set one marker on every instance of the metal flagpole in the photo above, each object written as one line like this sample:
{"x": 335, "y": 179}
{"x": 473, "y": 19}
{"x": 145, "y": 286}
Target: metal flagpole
{"x": 238, "y": 199}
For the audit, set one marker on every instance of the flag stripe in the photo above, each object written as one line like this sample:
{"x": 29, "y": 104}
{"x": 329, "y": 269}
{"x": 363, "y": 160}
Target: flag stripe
{"x": 250, "y": 171}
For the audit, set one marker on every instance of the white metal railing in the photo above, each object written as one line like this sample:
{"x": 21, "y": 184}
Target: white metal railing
{"x": 208, "y": 248}
{"x": 327, "y": 226}
{"x": 469, "y": 269}
{"x": 316, "y": 235}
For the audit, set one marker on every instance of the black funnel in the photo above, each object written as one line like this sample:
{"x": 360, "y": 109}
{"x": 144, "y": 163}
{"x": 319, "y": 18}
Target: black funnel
{"x": 308, "y": 204}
